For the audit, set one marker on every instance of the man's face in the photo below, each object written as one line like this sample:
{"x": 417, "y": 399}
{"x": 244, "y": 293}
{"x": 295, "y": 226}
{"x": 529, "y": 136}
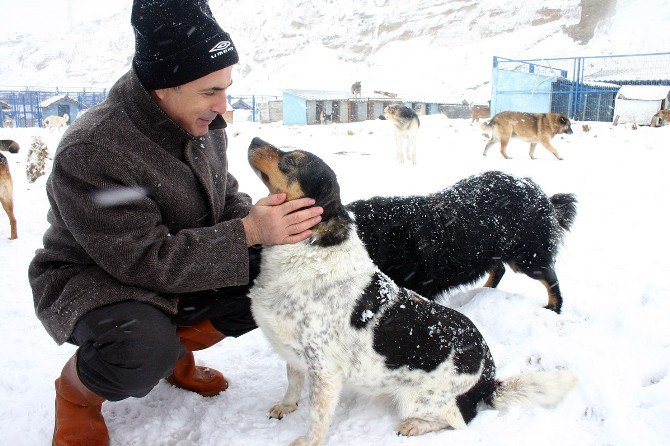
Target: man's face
{"x": 195, "y": 105}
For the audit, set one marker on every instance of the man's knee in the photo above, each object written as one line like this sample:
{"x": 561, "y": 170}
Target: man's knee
{"x": 125, "y": 349}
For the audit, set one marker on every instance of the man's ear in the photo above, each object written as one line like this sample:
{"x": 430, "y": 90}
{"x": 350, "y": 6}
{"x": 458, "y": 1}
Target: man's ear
{"x": 162, "y": 93}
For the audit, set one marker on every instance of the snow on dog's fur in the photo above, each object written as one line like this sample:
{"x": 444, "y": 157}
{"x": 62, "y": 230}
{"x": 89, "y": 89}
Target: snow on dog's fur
{"x": 335, "y": 317}
{"x": 56, "y": 122}
{"x": 406, "y": 124}
{"x": 433, "y": 243}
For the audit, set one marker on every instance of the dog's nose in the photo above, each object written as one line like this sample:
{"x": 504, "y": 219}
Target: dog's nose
{"x": 257, "y": 142}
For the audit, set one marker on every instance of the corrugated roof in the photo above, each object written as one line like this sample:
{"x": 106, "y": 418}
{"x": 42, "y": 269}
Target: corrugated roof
{"x": 324, "y": 95}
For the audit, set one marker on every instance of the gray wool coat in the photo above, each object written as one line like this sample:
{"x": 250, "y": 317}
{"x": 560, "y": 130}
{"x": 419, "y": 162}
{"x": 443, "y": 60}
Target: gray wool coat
{"x": 140, "y": 210}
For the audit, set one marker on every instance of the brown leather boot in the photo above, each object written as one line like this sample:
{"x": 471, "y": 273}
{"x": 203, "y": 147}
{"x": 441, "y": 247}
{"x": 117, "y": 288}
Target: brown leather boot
{"x": 79, "y": 421}
{"x": 187, "y": 375}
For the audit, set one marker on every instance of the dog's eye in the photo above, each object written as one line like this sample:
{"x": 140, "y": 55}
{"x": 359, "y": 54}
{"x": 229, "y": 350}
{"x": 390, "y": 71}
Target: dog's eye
{"x": 562, "y": 120}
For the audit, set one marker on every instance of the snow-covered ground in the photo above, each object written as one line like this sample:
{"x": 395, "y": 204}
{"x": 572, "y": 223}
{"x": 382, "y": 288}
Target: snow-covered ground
{"x": 614, "y": 332}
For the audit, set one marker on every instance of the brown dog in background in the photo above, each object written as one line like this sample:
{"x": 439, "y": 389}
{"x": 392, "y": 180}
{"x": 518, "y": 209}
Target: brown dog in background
{"x": 8, "y": 145}
{"x": 530, "y": 127}
{"x": 664, "y": 115}
{"x": 6, "y": 193}
{"x": 478, "y": 112}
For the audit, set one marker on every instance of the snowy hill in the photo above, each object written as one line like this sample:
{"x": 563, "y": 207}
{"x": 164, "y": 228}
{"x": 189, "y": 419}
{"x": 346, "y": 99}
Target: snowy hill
{"x": 436, "y": 47}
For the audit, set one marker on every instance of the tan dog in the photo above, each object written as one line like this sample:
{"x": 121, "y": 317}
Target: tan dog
{"x": 664, "y": 115}
{"x": 7, "y": 145}
{"x": 6, "y": 193}
{"x": 56, "y": 122}
{"x": 479, "y": 111}
{"x": 530, "y": 127}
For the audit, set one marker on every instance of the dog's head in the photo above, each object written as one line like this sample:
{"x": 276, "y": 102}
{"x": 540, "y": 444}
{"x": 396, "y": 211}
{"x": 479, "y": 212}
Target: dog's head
{"x": 392, "y": 111}
{"x": 9, "y": 145}
{"x": 560, "y": 123}
{"x": 302, "y": 174}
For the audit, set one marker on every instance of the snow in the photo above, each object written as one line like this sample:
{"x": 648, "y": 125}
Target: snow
{"x": 644, "y": 92}
{"x": 613, "y": 333}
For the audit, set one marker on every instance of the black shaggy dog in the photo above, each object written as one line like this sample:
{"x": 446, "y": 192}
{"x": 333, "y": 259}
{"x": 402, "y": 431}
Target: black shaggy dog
{"x": 454, "y": 237}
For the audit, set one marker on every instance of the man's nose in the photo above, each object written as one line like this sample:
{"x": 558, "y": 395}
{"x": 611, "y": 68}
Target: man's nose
{"x": 221, "y": 105}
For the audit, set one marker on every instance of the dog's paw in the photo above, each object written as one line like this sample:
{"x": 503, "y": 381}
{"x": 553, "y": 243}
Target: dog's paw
{"x": 300, "y": 441}
{"x": 279, "y": 410}
{"x": 412, "y": 427}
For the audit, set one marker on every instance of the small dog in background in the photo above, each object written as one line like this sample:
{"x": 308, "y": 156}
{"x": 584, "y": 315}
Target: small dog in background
{"x": 56, "y": 122}
{"x": 6, "y": 195}
{"x": 356, "y": 89}
{"x": 336, "y": 319}
{"x": 663, "y": 115}
{"x": 478, "y": 112}
{"x": 406, "y": 124}
{"x": 530, "y": 127}
{"x": 7, "y": 145}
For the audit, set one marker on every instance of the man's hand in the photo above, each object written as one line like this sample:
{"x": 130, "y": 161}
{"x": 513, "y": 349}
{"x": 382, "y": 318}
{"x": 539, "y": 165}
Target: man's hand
{"x": 272, "y": 221}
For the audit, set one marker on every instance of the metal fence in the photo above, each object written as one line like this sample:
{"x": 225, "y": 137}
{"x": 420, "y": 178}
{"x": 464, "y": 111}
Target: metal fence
{"x": 25, "y": 109}
{"x": 583, "y": 88}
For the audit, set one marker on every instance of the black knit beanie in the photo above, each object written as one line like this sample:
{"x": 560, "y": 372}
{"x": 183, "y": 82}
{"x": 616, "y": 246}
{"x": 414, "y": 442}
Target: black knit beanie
{"x": 178, "y": 41}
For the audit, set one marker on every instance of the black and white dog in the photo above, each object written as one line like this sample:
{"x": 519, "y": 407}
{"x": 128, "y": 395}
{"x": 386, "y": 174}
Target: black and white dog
{"x": 334, "y": 317}
{"x": 406, "y": 124}
{"x": 433, "y": 243}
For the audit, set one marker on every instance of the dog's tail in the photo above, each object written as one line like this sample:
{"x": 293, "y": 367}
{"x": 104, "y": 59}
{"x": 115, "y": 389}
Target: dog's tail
{"x": 566, "y": 209}
{"x": 545, "y": 389}
{"x": 487, "y": 128}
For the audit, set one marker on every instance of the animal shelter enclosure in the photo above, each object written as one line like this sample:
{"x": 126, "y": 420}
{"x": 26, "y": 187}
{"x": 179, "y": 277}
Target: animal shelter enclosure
{"x": 584, "y": 88}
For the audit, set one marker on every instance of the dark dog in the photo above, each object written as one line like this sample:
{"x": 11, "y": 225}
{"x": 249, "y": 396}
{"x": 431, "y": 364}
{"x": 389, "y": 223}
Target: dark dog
{"x": 356, "y": 89}
{"x": 6, "y": 194}
{"x": 432, "y": 243}
{"x": 335, "y": 318}
{"x": 530, "y": 127}
{"x": 10, "y": 146}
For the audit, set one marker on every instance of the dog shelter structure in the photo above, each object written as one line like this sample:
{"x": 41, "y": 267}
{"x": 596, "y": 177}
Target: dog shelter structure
{"x": 301, "y": 107}
{"x": 306, "y": 107}
{"x": 584, "y": 88}
{"x": 61, "y": 105}
{"x": 5, "y": 118}
{"x": 639, "y": 103}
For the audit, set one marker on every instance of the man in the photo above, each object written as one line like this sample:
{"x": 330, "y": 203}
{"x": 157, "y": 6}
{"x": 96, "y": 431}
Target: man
{"x": 150, "y": 250}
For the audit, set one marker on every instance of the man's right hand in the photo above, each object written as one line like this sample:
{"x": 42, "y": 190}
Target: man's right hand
{"x": 274, "y": 221}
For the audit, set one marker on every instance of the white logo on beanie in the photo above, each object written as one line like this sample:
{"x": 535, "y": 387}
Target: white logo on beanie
{"x": 221, "y": 46}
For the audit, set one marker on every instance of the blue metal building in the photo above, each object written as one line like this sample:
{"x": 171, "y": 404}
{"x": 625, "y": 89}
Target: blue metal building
{"x": 61, "y": 105}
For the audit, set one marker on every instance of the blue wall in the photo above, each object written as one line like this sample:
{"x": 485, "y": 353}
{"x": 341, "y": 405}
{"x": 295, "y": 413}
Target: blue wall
{"x": 516, "y": 91}
{"x": 295, "y": 110}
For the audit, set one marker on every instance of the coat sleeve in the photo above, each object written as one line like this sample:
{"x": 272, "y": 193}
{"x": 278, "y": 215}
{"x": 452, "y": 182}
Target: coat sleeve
{"x": 238, "y": 203}
{"x": 125, "y": 236}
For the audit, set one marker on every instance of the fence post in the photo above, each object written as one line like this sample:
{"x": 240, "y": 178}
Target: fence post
{"x": 253, "y": 108}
